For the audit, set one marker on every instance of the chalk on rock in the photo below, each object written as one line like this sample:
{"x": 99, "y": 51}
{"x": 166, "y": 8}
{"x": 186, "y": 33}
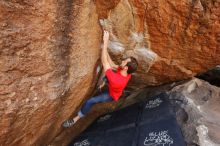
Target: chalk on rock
{"x": 116, "y": 47}
{"x": 137, "y": 37}
{"x": 102, "y": 22}
{"x": 146, "y": 53}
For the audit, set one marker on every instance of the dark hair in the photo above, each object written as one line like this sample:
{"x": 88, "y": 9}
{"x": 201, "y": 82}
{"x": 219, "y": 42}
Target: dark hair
{"x": 132, "y": 65}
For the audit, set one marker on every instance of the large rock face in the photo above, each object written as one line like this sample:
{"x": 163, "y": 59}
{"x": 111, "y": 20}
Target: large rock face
{"x": 49, "y": 54}
{"x": 179, "y": 37}
{"x": 48, "y": 58}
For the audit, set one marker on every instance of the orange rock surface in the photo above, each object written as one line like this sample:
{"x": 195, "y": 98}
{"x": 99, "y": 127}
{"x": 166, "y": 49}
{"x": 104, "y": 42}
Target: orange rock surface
{"x": 172, "y": 40}
{"x": 50, "y": 50}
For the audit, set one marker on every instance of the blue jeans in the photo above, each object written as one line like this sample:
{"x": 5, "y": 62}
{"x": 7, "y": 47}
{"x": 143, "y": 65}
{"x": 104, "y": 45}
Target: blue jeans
{"x": 103, "y": 97}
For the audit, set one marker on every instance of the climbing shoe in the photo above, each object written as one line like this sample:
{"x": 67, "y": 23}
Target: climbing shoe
{"x": 68, "y": 123}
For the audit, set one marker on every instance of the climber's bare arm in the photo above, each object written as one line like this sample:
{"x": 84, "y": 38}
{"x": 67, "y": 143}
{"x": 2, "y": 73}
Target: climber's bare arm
{"x": 112, "y": 64}
{"x": 104, "y": 57}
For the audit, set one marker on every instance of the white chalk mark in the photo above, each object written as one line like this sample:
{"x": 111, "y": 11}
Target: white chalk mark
{"x": 98, "y": 69}
{"x": 146, "y": 53}
{"x": 116, "y": 47}
{"x": 198, "y": 6}
{"x": 102, "y": 22}
{"x": 137, "y": 37}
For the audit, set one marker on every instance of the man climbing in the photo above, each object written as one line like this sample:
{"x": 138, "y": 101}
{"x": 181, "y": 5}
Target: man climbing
{"x": 117, "y": 81}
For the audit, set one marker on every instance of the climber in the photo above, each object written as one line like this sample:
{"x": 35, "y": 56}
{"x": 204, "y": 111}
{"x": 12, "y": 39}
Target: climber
{"x": 117, "y": 81}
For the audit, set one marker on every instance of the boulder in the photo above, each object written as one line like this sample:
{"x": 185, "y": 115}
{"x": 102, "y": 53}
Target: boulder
{"x": 198, "y": 112}
{"x": 171, "y": 40}
{"x": 49, "y": 52}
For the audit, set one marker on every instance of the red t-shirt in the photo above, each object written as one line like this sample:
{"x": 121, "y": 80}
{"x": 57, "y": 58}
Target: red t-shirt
{"x": 117, "y": 83}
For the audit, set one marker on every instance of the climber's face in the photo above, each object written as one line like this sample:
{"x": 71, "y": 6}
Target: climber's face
{"x": 124, "y": 63}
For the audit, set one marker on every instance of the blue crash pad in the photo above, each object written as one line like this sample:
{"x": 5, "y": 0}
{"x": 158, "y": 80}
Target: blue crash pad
{"x": 101, "y": 124}
{"x": 149, "y": 123}
{"x": 126, "y": 117}
{"x": 92, "y": 139}
{"x": 156, "y": 108}
{"x": 123, "y": 137}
